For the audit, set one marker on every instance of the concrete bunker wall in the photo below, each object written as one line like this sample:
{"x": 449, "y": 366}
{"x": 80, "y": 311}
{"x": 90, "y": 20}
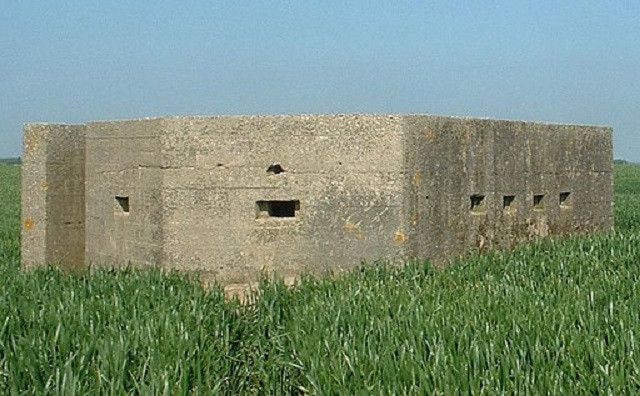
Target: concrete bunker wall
{"x": 229, "y": 196}
{"x": 478, "y": 184}
{"x": 53, "y": 196}
{"x": 124, "y": 190}
{"x": 340, "y": 176}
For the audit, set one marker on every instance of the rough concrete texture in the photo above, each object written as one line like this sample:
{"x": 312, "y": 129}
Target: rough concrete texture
{"x": 231, "y": 196}
{"x": 53, "y": 195}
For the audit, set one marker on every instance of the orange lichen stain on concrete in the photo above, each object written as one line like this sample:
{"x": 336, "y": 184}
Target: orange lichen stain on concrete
{"x": 466, "y": 137}
{"x": 482, "y": 242}
{"x": 44, "y": 186}
{"x": 415, "y": 179}
{"x": 430, "y": 135}
{"x": 352, "y": 228}
{"x": 30, "y": 143}
{"x": 399, "y": 238}
{"x": 29, "y": 224}
{"x": 415, "y": 217}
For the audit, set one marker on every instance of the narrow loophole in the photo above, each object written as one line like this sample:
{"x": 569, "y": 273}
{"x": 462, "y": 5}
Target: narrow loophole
{"x": 507, "y": 202}
{"x": 565, "y": 199}
{"x": 122, "y": 205}
{"x": 477, "y": 203}
{"x": 278, "y": 209}
{"x": 538, "y": 202}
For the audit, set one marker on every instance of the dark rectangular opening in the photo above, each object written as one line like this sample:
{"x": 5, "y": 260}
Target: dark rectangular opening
{"x": 477, "y": 203}
{"x": 122, "y": 204}
{"x": 507, "y": 201}
{"x": 280, "y": 209}
{"x": 565, "y": 199}
{"x": 538, "y": 202}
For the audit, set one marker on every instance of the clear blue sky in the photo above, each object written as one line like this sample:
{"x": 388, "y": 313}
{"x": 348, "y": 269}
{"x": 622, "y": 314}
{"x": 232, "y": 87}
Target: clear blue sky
{"x": 562, "y": 61}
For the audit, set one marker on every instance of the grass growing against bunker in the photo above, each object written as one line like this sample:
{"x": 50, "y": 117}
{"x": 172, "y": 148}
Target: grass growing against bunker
{"x": 558, "y": 316}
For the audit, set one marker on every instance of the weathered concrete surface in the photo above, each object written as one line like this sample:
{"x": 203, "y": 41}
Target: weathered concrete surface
{"x": 451, "y": 160}
{"x": 231, "y": 196}
{"x": 123, "y": 187}
{"x": 344, "y": 170}
{"x": 53, "y": 196}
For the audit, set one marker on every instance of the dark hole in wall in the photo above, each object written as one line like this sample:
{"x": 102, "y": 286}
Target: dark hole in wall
{"x": 477, "y": 203}
{"x": 122, "y": 204}
{"x": 278, "y": 208}
{"x": 565, "y": 199}
{"x": 275, "y": 168}
{"x": 538, "y": 202}
{"x": 507, "y": 201}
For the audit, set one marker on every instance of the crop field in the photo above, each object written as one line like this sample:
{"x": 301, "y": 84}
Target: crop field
{"x": 555, "y": 317}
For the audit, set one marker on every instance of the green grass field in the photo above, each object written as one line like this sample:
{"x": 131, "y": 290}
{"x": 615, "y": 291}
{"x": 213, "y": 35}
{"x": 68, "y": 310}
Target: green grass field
{"x": 555, "y": 317}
